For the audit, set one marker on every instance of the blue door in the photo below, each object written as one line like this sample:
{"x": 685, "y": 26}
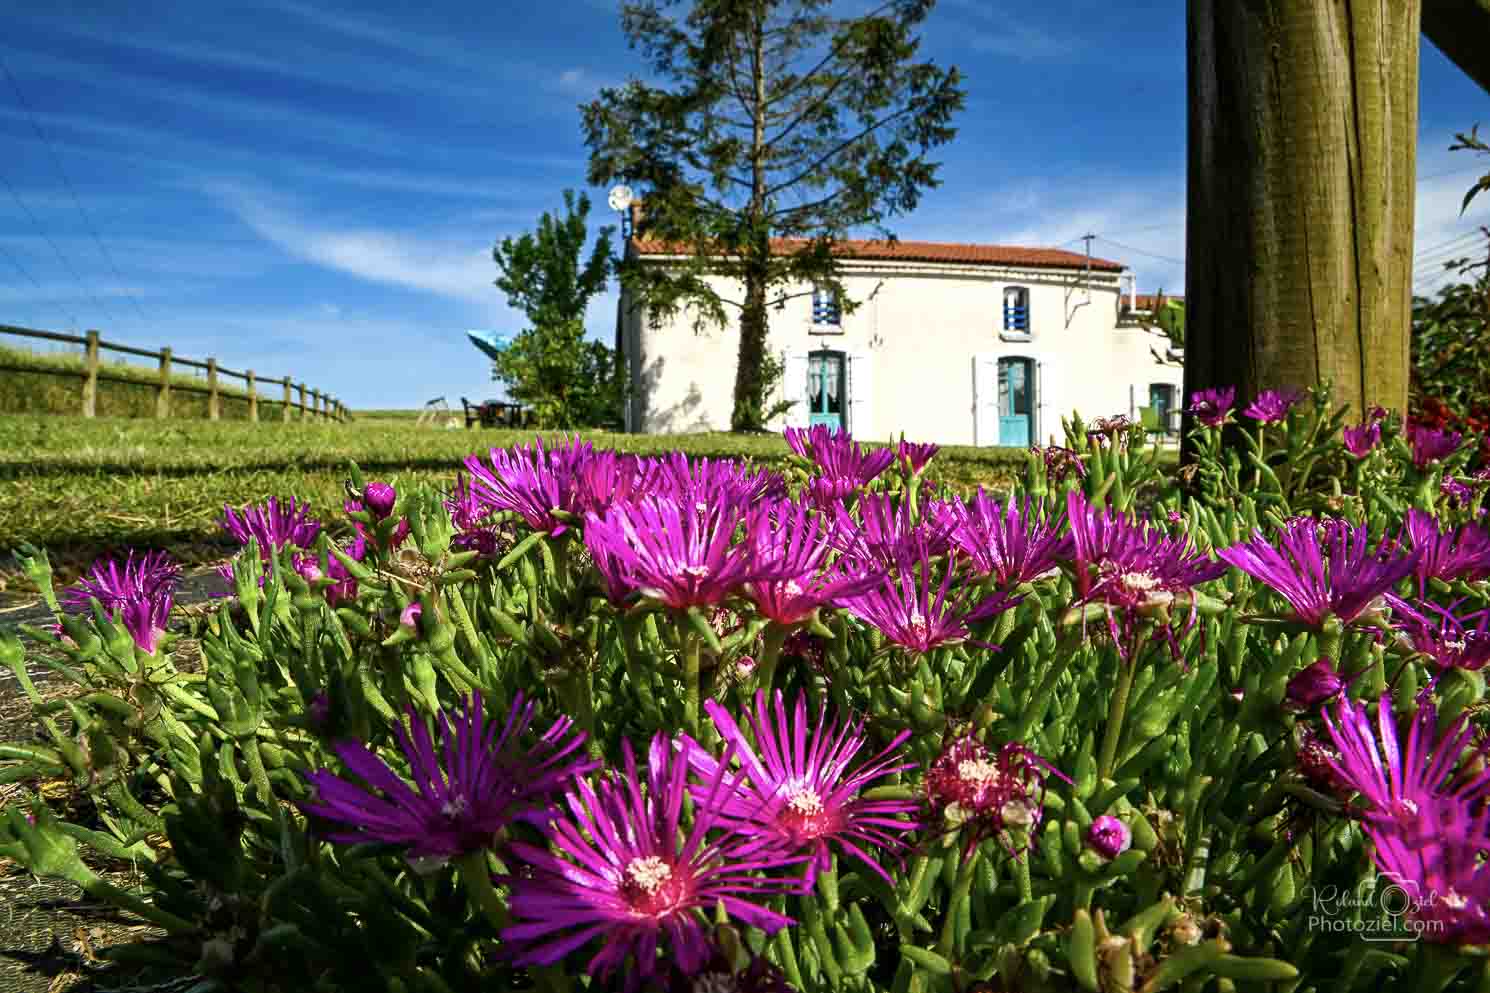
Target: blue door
{"x": 826, "y": 388}
{"x": 1016, "y": 384}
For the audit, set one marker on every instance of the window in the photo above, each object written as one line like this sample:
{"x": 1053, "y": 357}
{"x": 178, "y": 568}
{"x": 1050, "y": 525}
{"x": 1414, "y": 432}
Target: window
{"x": 1017, "y": 312}
{"x": 825, "y": 308}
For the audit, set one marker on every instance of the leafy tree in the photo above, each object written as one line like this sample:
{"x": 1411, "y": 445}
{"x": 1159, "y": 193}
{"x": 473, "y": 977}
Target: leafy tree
{"x": 567, "y": 381}
{"x": 782, "y": 121}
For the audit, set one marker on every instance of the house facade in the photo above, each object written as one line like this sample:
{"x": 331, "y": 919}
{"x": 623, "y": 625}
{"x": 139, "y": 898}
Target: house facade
{"x": 954, "y": 344}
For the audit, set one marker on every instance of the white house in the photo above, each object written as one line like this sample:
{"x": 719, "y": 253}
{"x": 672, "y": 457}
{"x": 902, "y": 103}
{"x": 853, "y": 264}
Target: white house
{"x": 954, "y": 344}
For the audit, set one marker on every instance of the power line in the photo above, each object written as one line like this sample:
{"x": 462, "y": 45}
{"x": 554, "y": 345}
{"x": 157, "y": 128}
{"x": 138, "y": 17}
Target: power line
{"x": 72, "y": 321}
{"x": 1130, "y": 248}
{"x": 71, "y": 190}
{"x": 1468, "y": 236}
{"x": 48, "y": 238}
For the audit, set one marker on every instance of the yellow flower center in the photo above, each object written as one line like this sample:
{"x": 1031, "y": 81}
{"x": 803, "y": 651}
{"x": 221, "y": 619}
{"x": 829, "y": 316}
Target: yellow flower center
{"x": 649, "y": 874}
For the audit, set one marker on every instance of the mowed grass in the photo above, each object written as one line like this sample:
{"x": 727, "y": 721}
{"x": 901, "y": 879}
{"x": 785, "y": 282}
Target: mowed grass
{"x": 82, "y": 488}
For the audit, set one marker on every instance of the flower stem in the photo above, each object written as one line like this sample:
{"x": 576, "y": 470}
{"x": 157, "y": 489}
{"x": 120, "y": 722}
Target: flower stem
{"x": 692, "y": 649}
{"x": 475, "y": 876}
{"x": 1115, "y": 714}
{"x": 960, "y": 891}
{"x": 765, "y": 666}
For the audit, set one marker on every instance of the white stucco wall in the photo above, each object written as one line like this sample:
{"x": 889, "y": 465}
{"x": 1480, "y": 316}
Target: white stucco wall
{"x": 917, "y": 335}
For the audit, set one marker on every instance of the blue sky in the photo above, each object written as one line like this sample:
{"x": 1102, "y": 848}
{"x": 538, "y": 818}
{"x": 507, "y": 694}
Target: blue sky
{"x": 314, "y": 189}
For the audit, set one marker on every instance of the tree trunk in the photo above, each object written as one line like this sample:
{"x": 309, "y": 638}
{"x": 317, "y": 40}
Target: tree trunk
{"x": 750, "y": 404}
{"x": 750, "y": 400}
{"x": 1302, "y": 155}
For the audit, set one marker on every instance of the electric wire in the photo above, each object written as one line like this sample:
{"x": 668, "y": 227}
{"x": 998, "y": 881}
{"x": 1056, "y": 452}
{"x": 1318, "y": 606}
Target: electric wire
{"x": 71, "y": 319}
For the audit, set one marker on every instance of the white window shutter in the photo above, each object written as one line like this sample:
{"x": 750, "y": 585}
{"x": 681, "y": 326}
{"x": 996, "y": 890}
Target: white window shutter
{"x": 1036, "y": 438}
{"x": 861, "y": 396}
{"x": 985, "y": 399}
{"x": 794, "y": 388}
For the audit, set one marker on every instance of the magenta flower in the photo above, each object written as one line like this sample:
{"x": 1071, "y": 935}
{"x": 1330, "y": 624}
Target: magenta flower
{"x": 607, "y": 477}
{"x": 1445, "y": 878}
{"x": 1456, "y": 491}
{"x": 705, "y": 482}
{"x": 1014, "y": 544}
{"x": 1451, "y": 643}
{"x": 1109, "y": 837}
{"x": 1403, "y": 783}
{"x": 837, "y": 455}
{"x": 799, "y": 792}
{"x": 532, "y": 482}
{"x": 115, "y": 584}
{"x": 378, "y": 499}
{"x": 409, "y": 616}
{"x": 145, "y": 618}
{"x": 1458, "y": 553}
{"x": 880, "y": 531}
{"x": 1318, "y": 682}
{"x": 968, "y": 784}
{"x": 1430, "y": 445}
{"x": 273, "y": 524}
{"x": 1060, "y": 462}
{"x": 907, "y": 612}
{"x": 627, "y": 871}
{"x": 1272, "y": 405}
{"x": 684, "y": 556}
{"x": 1315, "y": 758}
{"x": 796, "y": 542}
{"x": 1341, "y": 577}
{"x": 1360, "y": 440}
{"x": 344, "y": 587}
{"x": 915, "y": 457}
{"x": 478, "y": 781}
{"x": 1210, "y": 407}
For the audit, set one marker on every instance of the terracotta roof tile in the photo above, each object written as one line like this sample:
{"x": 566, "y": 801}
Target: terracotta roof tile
{"x": 924, "y": 251}
{"x": 1146, "y": 301}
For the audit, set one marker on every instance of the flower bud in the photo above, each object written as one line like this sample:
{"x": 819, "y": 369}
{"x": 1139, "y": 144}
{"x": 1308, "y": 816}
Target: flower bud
{"x": 1316, "y": 684}
{"x": 409, "y": 617}
{"x": 379, "y": 499}
{"x": 318, "y": 711}
{"x": 1109, "y": 837}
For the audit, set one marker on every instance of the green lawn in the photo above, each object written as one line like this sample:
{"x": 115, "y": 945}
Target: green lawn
{"x": 80, "y": 487}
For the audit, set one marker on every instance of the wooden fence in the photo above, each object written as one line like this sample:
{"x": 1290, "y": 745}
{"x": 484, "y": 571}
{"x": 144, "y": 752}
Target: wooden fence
{"x": 322, "y": 406}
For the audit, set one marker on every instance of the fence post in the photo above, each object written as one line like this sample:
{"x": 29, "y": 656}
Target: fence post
{"x": 301, "y": 404}
{"x": 315, "y": 405}
{"x": 163, "y": 391}
{"x": 284, "y": 410}
{"x": 90, "y": 376}
{"x": 214, "y": 410}
{"x": 253, "y": 398}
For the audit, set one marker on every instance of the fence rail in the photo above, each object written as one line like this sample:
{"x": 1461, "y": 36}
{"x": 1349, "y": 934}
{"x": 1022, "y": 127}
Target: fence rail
{"x": 323, "y": 406}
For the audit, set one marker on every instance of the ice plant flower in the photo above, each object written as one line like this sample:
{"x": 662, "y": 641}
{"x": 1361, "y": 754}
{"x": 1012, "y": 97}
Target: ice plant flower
{"x": 379, "y": 498}
{"x": 799, "y": 793}
{"x": 1445, "y": 878}
{"x": 273, "y": 524}
{"x": 532, "y": 482}
{"x": 1450, "y": 643}
{"x": 880, "y": 530}
{"x": 906, "y": 610}
{"x": 684, "y": 556}
{"x": 471, "y": 518}
{"x": 796, "y": 542}
{"x": 1361, "y": 439}
{"x": 1016, "y": 543}
{"x": 1457, "y": 553}
{"x": 992, "y": 791}
{"x": 1430, "y": 445}
{"x": 837, "y": 455}
{"x": 914, "y": 456}
{"x": 1404, "y": 783}
{"x": 1211, "y": 407}
{"x": 624, "y": 868}
{"x": 607, "y": 478}
{"x": 1272, "y": 406}
{"x": 1342, "y": 576}
{"x": 705, "y": 482}
{"x": 479, "y": 779}
{"x": 1316, "y": 683}
{"x": 1109, "y": 837}
{"x": 1060, "y": 462}
{"x": 115, "y": 584}
{"x": 1456, "y": 490}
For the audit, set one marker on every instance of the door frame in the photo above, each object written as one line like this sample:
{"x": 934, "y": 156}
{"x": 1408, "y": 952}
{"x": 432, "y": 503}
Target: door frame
{"x": 840, "y": 358}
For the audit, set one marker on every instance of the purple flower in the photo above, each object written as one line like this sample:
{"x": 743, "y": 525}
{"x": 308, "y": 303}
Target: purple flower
{"x": 145, "y": 618}
{"x": 1377, "y": 412}
{"x": 1060, "y": 462}
{"x": 705, "y": 482}
{"x": 967, "y": 784}
{"x": 1109, "y": 837}
{"x": 1210, "y": 407}
{"x": 1430, "y": 445}
{"x": 273, "y": 524}
{"x": 1403, "y": 783}
{"x": 409, "y": 616}
{"x": 907, "y": 612}
{"x": 796, "y": 542}
{"x": 318, "y": 711}
{"x": 1272, "y": 405}
{"x": 1013, "y": 544}
{"x": 115, "y": 584}
{"x": 607, "y": 478}
{"x": 477, "y": 782}
{"x": 379, "y": 499}
{"x": 1360, "y": 440}
{"x": 1451, "y": 643}
{"x": 684, "y": 556}
{"x": 532, "y": 482}
{"x": 1315, "y": 759}
{"x": 1456, "y": 491}
{"x": 1341, "y": 577}
{"x": 627, "y": 871}
{"x": 837, "y": 455}
{"x": 344, "y": 586}
{"x": 799, "y": 792}
{"x": 1440, "y": 870}
{"x": 880, "y": 531}
{"x": 1458, "y": 553}
{"x": 1316, "y": 683}
{"x": 915, "y": 457}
